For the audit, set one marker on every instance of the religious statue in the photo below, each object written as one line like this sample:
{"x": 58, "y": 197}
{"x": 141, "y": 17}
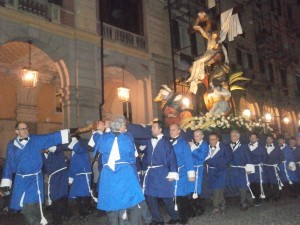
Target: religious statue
{"x": 172, "y": 106}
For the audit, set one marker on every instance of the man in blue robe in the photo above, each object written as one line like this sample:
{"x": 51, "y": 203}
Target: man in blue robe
{"x": 240, "y": 167}
{"x": 274, "y": 158}
{"x": 287, "y": 168}
{"x": 216, "y": 162}
{"x": 186, "y": 173}
{"x": 199, "y": 149}
{"x": 119, "y": 188}
{"x": 297, "y": 161}
{"x": 80, "y": 176}
{"x": 161, "y": 174}
{"x": 24, "y": 159}
{"x": 56, "y": 168}
{"x": 257, "y": 179}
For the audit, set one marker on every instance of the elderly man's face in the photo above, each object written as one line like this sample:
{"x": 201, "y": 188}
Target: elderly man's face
{"x": 174, "y": 131}
{"x": 213, "y": 140}
{"x": 269, "y": 140}
{"x": 22, "y": 130}
{"x": 281, "y": 141}
{"x": 234, "y": 137}
{"x": 253, "y": 138}
{"x": 198, "y": 136}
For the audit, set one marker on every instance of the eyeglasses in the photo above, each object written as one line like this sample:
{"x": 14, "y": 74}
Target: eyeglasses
{"x": 24, "y": 128}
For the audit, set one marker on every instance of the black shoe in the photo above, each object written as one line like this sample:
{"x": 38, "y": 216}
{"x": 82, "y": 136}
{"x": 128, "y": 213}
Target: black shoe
{"x": 173, "y": 221}
{"x": 184, "y": 221}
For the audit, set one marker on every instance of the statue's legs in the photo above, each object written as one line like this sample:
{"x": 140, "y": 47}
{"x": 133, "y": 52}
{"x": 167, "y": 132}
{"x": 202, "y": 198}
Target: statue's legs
{"x": 200, "y": 107}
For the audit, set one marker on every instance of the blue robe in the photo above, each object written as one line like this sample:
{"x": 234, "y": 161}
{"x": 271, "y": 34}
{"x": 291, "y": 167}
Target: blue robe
{"x": 241, "y": 157}
{"x": 119, "y": 189}
{"x": 297, "y": 161}
{"x": 199, "y": 154}
{"x": 26, "y": 162}
{"x": 156, "y": 184}
{"x": 80, "y": 171}
{"x": 284, "y": 166}
{"x": 258, "y": 156}
{"x": 185, "y": 164}
{"x": 216, "y": 167}
{"x": 56, "y": 168}
{"x": 275, "y": 157}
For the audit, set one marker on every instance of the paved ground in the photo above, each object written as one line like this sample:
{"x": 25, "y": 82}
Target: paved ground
{"x": 284, "y": 212}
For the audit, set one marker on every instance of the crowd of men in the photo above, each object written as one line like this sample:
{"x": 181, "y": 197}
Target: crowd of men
{"x": 134, "y": 178}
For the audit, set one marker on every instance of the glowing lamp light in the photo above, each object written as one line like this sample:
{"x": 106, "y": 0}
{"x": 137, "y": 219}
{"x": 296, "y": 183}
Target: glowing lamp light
{"x": 286, "y": 120}
{"x": 268, "y": 117}
{"x": 29, "y": 78}
{"x": 186, "y": 102}
{"x": 123, "y": 94}
{"x": 247, "y": 113}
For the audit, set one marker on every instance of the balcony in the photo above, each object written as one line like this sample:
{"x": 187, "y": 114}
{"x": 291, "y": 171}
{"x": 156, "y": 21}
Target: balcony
{"x": 40, "y": 8}
{"x": 124, "y": 37}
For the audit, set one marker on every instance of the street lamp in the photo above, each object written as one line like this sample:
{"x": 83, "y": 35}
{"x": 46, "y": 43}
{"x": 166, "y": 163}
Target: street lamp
{"x": 268, "y": 117}
{"x": 123, "y": 92}
{"x": 286, "y": 120}
{"x": 247, "y": 113}
{"x": 29, "y": 76}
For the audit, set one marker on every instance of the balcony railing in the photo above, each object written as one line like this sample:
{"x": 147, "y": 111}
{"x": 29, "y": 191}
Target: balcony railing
{"x": 124, "y": 37}
{"x": 39, "y": 8}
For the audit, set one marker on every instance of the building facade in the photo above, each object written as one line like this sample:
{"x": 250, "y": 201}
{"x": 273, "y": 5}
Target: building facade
{"x": 85, "y": 50}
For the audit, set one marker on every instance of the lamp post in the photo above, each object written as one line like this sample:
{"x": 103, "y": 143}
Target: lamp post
{"x": 29, "y": 76}
{"x": 268, "y": 117}
{"x": 123, "y": 96}
{"x": 286, "y": 120}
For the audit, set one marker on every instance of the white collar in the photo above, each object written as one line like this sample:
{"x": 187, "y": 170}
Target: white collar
{"x": 21, "y": 144}
{"x": 283, "y": 146}
{"x": 253, "y": 146}
{"x": 270, "y": 148}
{"x": 235, "y": 147}
{"x": 154, "y": 141}
{"x": 194, "y": 146}
{"x": 212, "y": 154}
{"x": 107, "y": 130}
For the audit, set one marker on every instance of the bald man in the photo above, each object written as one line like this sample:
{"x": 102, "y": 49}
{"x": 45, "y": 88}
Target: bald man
{"x": 24, "y": 158}
{"x": 186, "y": 172}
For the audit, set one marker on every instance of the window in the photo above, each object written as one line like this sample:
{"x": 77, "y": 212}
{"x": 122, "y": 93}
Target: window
{"x": 283, "y": 78}
{"x": 289, "y": 12}
{"x": 239, "y": 58}
{"x": 193, "y": 44}
{"x": 271, "y": 72}
{"x": 250, "y": 61}
{"x": 261, "y": 66}
{"x": 124, "y": 14}
{"x": 175, "y": 34}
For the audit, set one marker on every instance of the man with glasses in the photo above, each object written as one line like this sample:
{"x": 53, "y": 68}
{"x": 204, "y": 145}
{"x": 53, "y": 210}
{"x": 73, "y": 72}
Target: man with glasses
{"x": 24, "y": 159}
{"x": 219, "y": 156}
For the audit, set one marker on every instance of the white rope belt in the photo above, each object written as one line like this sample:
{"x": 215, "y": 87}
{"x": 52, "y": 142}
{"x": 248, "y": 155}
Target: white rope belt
{"x": 286, "y": 173}
{"x": 275, "y": 166}
{"x": 43, "y": 219}
{"x": 262, "y": 193}
{"x": 49, "y": 179}
{"x": 247, "y": 178}
{"x": 195, "y": 194}
{"x": 176, "y": 185}
{"x": 298, "y": 163}
{"x": 88, "y": 184}
{"x": 146, "y": 174}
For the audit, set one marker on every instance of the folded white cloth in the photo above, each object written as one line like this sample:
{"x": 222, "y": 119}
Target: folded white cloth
{"x": 250, "y": 168}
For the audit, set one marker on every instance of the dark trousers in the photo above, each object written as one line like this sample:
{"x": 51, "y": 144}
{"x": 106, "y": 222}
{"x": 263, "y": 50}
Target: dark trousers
{"x": 197, "y": 206}
{"x": 184, "y": 207}
{"x": 60, "y": 210}
{"x": 219, "y": 199}
{"x": 32, "y": 214}
{"x": 290, "y": 189}
{"x": 272, "y": 192}
{"x": 84, "y": 205}
{"x": 154, "y": 208}
{"x": 255, "y": 187}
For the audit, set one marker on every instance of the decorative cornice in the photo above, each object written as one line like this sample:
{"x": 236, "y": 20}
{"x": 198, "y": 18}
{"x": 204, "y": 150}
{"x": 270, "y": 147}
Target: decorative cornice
{"x": 46, "y": 26}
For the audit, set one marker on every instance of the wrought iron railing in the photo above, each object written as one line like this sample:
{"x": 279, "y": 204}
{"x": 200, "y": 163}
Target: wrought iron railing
{"x": 40, "y": 8}
{"x": 124, "y": 37}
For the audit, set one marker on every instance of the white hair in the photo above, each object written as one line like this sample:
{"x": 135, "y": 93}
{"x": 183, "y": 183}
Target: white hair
{"x": 117, "y": 122}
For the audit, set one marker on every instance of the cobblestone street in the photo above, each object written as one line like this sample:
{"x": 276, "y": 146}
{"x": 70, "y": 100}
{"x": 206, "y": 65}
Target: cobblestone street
{"x": 284, "y": 212}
